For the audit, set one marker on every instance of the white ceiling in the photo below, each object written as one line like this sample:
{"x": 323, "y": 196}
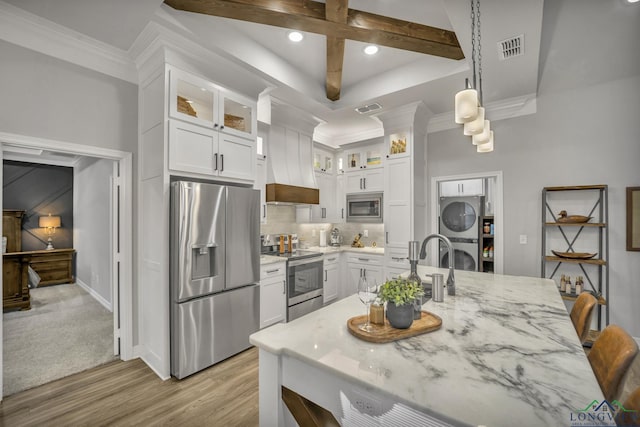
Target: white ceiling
{"x": 297, "y": 71}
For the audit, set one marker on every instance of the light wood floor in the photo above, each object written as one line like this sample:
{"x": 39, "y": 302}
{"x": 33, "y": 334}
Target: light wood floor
{"x": 130, "y": 394}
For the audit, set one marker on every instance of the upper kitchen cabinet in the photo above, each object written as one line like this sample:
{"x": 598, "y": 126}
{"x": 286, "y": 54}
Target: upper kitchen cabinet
{"x": 398, "y": 144}
{"x": 323, "y": 161}
{"x": 206, "y": 104}
{"x": 194, "y": 149}
{"x": 367, "y": 156}
{"x": 466, "y": 187}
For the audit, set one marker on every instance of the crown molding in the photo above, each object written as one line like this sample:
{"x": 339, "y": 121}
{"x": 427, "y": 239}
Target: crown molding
{"x": 30, "y": 31}
{"x": 337, "y": 141}
{"x": 499, "y": 110}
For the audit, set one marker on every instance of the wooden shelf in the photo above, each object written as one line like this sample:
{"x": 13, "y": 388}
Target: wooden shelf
{"x": 575, "y": 224}
{"x": 576, "y": 261}
{"x": 572, "y": 297}
{"x": 488, "y": 236}
{"x": 486, "y": 259}
{"x": 577, "y": 187}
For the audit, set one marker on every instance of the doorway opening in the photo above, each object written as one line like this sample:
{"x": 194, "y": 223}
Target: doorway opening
{"x": 468, "y": 210}
{"x": 102, "y": 227}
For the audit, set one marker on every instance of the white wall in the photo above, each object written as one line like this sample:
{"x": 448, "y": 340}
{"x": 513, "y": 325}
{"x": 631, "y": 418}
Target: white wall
{"x": 578, "y": 137}
{"x": 92, "y": 231}
{"x": 49, "y": 98}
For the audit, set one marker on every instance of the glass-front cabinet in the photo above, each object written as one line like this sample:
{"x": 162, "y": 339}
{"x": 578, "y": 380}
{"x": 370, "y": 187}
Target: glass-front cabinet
{"x": 323, "y": 161}
{"x": 206, "y": 104}
{"x": 398, "y": 144}
{"x": 365, "y": 157}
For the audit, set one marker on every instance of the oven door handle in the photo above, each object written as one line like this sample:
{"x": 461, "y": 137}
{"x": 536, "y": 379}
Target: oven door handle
{"x": 294, "y": 263}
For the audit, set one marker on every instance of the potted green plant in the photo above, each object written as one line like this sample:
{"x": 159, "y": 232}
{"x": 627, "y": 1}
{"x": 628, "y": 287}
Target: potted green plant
{"x": 400, "y": 294}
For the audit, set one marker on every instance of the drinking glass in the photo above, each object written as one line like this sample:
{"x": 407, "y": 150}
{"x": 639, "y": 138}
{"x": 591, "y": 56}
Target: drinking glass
{"x": 367, "y": 291}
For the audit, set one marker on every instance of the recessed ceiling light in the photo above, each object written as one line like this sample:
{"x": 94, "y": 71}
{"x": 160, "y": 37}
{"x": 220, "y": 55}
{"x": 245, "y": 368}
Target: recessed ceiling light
{"x": 371, "y": 49}
{"x": 295, "y": 36}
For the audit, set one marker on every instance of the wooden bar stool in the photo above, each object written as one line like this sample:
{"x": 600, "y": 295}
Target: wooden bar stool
{"x": 610, "y": 357}
{"x": 630, "y": 417}
{"x": 581, "y": 314}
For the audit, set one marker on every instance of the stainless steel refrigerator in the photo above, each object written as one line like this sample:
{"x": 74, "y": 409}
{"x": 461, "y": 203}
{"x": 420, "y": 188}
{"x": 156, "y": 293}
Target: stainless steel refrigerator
{"x": 215, "y": 273}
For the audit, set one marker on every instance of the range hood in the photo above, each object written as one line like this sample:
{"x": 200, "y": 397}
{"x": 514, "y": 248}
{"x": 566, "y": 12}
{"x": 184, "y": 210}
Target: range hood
{"x": 290, "y": 176}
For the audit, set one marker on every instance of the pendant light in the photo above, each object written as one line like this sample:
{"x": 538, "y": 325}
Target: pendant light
{"x": 468, "y": 102}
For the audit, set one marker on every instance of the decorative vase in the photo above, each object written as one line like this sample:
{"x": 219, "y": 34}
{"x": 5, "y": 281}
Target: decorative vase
{"x": 400, "y": 316}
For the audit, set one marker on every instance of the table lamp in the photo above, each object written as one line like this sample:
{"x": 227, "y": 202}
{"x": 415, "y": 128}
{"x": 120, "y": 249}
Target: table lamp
{"x": 50, "y": 223}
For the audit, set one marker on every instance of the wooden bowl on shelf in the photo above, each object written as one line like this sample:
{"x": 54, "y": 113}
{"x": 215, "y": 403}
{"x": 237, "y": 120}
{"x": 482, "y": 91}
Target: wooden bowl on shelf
{"x": 573, "y": 255}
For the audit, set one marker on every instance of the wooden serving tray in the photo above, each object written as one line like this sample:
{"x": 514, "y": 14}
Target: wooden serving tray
{"x": 428, "y": 322}
{"x": 573, "y": 255}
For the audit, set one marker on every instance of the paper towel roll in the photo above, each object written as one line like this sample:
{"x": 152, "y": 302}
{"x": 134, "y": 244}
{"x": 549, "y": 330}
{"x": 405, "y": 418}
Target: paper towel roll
{"x": 323, "y": 238}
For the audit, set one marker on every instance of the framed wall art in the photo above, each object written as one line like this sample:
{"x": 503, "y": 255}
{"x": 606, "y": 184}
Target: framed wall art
{"x": 633, "y": 218}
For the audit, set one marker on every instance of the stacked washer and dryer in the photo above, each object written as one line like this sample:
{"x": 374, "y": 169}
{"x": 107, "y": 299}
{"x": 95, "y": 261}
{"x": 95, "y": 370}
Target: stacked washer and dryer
{"x": 460, "y": 222}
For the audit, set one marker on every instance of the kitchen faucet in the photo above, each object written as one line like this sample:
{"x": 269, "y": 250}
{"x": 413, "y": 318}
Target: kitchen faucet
{"x": 451, "y": 280}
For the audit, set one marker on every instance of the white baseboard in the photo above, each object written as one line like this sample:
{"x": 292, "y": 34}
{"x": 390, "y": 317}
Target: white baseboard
{"x": 95, "y": 295}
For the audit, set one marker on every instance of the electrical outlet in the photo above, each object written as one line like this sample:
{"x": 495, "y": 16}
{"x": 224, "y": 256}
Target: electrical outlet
{"x": 365, "y": 233}
{"x": 523, "y": 239}
{"x": 366, "y": 404}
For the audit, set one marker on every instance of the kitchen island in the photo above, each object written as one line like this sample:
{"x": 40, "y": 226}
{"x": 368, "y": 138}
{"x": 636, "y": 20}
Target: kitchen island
{"x": 506, "y": 354}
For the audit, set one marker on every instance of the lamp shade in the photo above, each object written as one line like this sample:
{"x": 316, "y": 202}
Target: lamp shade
{"x": 486, "y": 148}
{"x": 466, "y": 105}
{"x": 475, "y": 127}
{"x": 484, "y": 136}
{"x": 49, "y": 221}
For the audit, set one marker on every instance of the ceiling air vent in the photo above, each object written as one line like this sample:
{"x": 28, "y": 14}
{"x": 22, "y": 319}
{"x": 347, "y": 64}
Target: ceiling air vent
{"x": 369, "y": 108}
{"x": 511, "y": 47}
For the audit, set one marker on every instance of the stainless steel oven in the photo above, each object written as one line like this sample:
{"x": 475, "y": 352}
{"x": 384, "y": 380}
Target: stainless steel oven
{"x": 365, "y": 207}
{"x": 304, "y": 283}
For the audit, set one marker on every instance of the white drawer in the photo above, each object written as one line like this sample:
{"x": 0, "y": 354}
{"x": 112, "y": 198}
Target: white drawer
{"x": 273, "y": 270}
{"x": 397, "y": 257}
{"x": 331, "y": 259}
{"x": 365, "y": 259}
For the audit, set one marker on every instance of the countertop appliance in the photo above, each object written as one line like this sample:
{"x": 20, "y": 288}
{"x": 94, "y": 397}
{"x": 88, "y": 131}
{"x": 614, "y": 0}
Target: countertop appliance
{"x": 364, "y": 207}
{"x": 336, "y": 238}
{"x": 215, "y": 273}
{"x": 305, "y": 275}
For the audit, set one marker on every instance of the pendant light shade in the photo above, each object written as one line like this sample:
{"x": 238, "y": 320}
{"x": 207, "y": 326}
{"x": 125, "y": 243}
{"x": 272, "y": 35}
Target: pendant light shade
{"x": 486, "y": 148}
{"x": 476, "y": 126}
{"x": 466, "y": 105}
{"x": 482, "y": 137}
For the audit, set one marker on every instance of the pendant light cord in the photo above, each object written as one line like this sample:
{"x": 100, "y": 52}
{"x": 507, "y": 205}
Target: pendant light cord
{"x": 479, "y": 52}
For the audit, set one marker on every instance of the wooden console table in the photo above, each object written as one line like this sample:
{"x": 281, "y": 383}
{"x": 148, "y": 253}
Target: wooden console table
{"x": 54, "y": 266}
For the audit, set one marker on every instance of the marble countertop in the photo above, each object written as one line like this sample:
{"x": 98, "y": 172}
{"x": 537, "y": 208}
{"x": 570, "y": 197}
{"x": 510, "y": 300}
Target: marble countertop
{"x": 507, "y": 353}
{"x": 271, "y": 259}
{"x": 347, "y": 248}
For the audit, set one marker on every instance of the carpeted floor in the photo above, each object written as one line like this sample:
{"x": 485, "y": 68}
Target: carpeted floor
{"x": 65, "y": 332}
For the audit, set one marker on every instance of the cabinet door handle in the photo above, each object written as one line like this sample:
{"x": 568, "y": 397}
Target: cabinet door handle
{"x": 325, "y": 275}
{"x": 386, "y": 237}
{"x": 221, "y": 162}
{"x": 215, "y": 125}
{"x": 331, "y": 259}
{"x": 264, "y": 211}
{"x": 363, "y": 259}
{"x": 284, "y": 286}
{"x": 395, "y": 258}
{"x": 272, "y": 271}
{"x": 324, "y": 212}
{"x": 216, "y": 157}
{"x": 361, "y": 183}
{"x": 360, "y": 272}
{"x": 342, "y": 213}
{"x": 365, "y": 273}
{"x": 221, "y": 126}
{"x": 364, "y": 183}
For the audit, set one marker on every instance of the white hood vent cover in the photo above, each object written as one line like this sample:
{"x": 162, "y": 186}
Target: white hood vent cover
{"x": 510, "y": 48}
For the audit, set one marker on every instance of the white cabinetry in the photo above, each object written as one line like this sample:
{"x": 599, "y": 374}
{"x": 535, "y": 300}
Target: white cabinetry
{"x": 341, "y": 200}
{"x": 260, "y": 184}
{"x": 367, "y": 156}
{"x": 362, "y": 265}
{"x": 467, "y": 187}
{"x": 365, "y": 181}
{"x": 323, "y": 161}
{"x": 331, "y": 277}
{"x": 195, "y": 149}
{"x": 198, "y": 101}
{"x": 273, "y": 297}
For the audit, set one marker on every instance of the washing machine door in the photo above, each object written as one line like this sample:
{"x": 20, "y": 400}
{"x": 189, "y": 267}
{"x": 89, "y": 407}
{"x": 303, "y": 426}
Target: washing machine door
{"x": 463, "y": 260}
{"x": 459, "y": 216}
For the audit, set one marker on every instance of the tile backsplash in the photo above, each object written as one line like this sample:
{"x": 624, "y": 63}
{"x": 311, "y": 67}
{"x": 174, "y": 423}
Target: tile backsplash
{"x": 282, "y": 219}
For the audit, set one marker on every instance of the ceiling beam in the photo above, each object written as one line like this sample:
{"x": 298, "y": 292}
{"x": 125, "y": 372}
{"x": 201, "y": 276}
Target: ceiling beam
{"x": 310, "y": 16}
{"x": 335, "y": 11}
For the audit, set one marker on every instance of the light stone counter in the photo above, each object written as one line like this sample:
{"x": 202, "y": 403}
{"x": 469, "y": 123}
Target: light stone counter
{"x": 347, "y": 248}
{"x": 271, "y": 259}
{"x": 507, "y": 354}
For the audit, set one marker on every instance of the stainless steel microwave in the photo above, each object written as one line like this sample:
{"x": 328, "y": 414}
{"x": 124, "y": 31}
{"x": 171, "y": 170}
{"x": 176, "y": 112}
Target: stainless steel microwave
{"x": 364, "y": 207}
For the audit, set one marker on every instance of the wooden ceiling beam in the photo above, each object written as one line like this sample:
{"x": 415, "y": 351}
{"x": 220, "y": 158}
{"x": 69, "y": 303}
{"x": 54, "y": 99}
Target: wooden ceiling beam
{"x": 310, "y": 16}
{"x": 335, "y": 11}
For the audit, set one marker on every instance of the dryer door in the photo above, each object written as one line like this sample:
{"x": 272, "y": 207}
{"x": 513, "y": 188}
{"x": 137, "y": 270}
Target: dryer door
{"x": 459, "y": 216}
{"x": 464, "y": 258}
